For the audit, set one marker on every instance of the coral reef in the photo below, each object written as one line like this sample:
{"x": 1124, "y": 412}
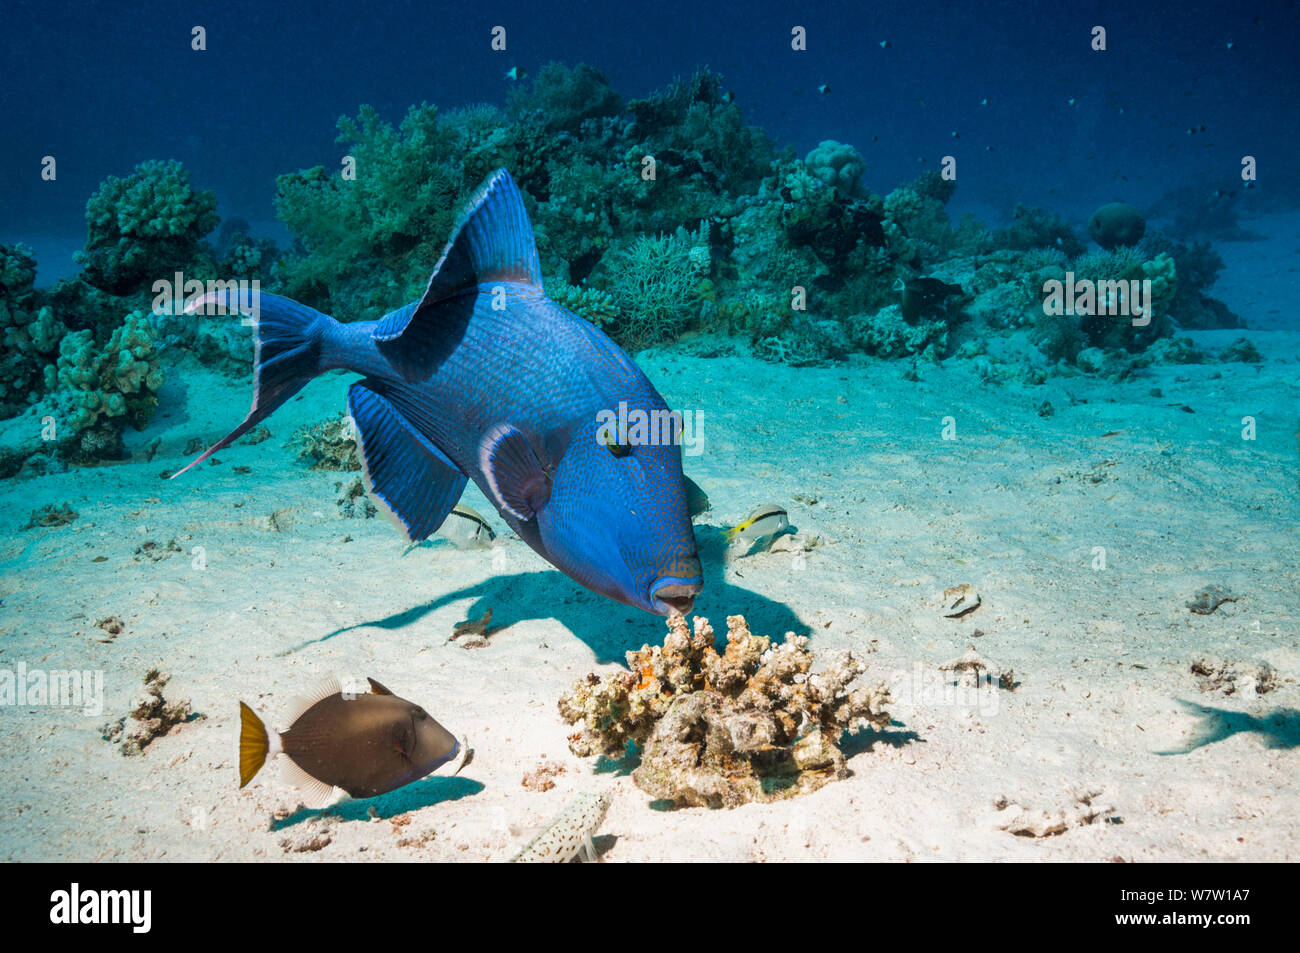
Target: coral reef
{"x": 29, "y": 330}
{"x": 591, "y": 304}
{"x": 96, "y": 389}
{"x": 838, "y": 165}
{"x": 655, "y": 218}
{"x": 1037, "y": 228}
{"x": 887, "y": 334}
{"x": 562, "y": 99}
{"x": 652, "y": 282}
{"x": 368, "y": 241}
{"x": 146, "y": 226}
{"x": 1098, "y": 321}
{"x": 753, "y": 723}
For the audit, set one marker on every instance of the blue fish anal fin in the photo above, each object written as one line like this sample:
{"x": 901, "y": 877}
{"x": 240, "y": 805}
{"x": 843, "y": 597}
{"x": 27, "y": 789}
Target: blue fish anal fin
{"x": 404, "y": 471}
{"x": 492, "y": 242}
{"x": 520, "y": 484}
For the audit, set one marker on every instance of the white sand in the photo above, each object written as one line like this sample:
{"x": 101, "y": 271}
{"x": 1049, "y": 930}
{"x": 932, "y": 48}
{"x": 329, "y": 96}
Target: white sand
{"x": 1010, "y": 506}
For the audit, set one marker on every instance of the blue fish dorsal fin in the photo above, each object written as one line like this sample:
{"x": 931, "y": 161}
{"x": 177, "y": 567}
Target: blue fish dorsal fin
{"x": 404, "y": 471}
{"x": 492, "y": 241}
{"x": 519, "y": 482}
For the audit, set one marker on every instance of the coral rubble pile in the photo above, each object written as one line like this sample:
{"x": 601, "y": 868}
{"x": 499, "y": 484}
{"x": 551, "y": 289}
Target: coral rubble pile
{"x": 753, "y": 723}
{"x": 152, "y": 716}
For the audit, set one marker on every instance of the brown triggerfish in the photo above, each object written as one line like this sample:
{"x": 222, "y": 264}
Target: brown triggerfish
{"x": 363, "y": 745}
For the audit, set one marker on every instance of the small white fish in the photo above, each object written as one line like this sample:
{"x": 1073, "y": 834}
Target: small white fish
{"x": 466, "y": 529}
{"x": 765, "y": 522}
{"x": 569, "y": 834}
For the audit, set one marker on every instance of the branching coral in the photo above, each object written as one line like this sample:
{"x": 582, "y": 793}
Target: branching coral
{"x": 592, "y": 304}
{"x": 575, "y": 224}
{"x": 718, "y": 730}
{"x": 916, "y": 227}
{"x": 653, "y": 284}
{"x": 145, "y": 227}
{"x": 697, "y": 123}
{"x": 1037, "y": 228}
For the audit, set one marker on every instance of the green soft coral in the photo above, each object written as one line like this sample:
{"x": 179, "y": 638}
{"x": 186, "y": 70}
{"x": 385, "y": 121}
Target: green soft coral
{"x": 369, "y": 241}
{"x": 145, "y": 226}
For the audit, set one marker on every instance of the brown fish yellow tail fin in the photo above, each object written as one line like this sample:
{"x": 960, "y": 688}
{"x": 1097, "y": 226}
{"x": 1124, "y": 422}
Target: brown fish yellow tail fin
{"x": 253, "y": 744}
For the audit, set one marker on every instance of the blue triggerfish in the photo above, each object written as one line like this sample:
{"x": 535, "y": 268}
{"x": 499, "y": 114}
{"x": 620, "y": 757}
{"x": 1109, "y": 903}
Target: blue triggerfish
{"x": 485, "y": 378}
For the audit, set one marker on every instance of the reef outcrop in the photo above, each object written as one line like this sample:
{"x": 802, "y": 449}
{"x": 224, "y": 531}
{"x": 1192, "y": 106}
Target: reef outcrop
{"x": 752, "y": 723}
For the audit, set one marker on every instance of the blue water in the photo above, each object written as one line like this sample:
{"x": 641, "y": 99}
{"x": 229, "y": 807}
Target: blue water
{"x": 104, "y": 87}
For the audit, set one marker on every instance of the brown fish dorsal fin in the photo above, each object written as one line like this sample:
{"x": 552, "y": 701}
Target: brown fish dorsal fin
{"x": 377, "y": 689}
{"x": 312, "y": 791}
{"x": 298, "y": 704}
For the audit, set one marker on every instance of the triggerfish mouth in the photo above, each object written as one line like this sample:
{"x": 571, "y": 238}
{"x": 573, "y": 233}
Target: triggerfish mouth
{"x": 485, "y": 378}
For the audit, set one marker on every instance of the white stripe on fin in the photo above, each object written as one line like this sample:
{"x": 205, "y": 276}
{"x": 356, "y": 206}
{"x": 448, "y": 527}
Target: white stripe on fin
{"x": 314, "y": 793}
{"x": 298, "y": 704}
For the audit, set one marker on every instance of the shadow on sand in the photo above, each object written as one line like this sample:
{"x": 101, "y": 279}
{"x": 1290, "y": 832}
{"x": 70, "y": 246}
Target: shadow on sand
{"x": 610, "y": 629}
{"x": 1277, "y": 729}
{"x": 423, "y": 793}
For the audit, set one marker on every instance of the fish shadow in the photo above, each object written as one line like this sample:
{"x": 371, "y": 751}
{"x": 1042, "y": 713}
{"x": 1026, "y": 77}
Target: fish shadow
{"x": 610, "y": 629}
{"x": 423, "y": 793}
{"x": 1278, "y": 729}
{"x": 861, "y": 740}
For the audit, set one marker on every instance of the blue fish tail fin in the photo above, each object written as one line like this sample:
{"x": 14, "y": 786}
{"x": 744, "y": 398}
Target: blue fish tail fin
{"x": 492, "y": 242}
{"x": 288, "y": 339}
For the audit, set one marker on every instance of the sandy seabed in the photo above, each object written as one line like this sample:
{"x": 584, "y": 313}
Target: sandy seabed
{"x": 1154, "y": 471}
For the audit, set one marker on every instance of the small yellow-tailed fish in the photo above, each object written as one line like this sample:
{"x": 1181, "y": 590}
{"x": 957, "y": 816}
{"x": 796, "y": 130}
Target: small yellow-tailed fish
{"x": 766, "y": 521}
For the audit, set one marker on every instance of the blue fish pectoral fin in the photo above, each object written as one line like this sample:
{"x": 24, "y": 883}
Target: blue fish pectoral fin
{"x": 492, "y": 242}
{"x": 519, "y": 481}
{"x": 404, "y": 471}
